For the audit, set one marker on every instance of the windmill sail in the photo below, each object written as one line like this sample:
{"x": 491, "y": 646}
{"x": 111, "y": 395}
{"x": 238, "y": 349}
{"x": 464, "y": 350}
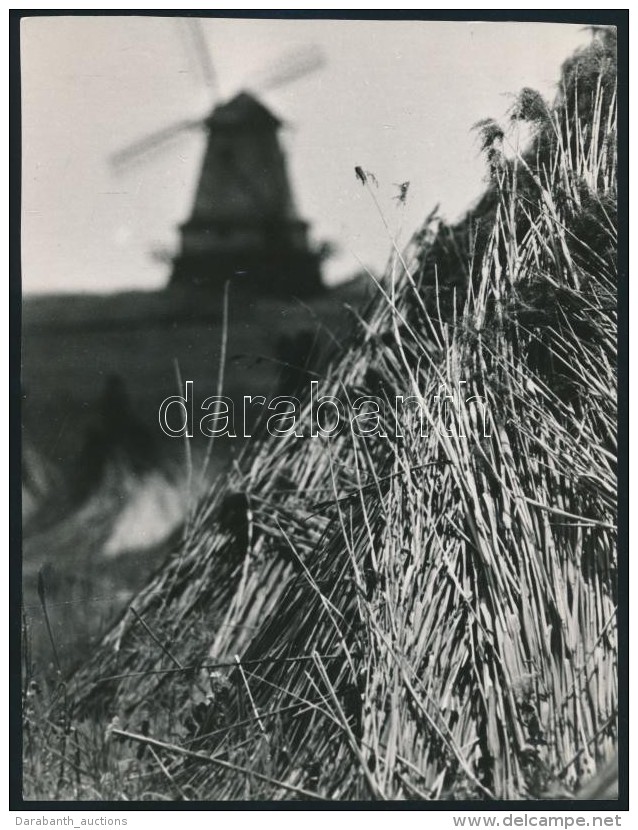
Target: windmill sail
{"x": 152, "y": 142}
{"x": 291, "y": 67}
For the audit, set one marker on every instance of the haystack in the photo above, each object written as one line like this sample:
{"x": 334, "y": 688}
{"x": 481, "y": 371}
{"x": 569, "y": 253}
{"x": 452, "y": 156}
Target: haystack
{"x": 426, "y": 616}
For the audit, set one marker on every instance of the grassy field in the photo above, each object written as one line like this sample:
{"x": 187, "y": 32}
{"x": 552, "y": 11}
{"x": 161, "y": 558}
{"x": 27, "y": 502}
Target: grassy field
{"x": 425, "y": 616}
{"x": 72, "y": 344}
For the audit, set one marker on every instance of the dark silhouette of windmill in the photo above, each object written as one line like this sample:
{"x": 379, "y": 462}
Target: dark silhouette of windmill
{"x": 243, "y": 224}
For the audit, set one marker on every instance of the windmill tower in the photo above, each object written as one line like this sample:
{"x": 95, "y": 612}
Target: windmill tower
{"x": 243, "y": 224}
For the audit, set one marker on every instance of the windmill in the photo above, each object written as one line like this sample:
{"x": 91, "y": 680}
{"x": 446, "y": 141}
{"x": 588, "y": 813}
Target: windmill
{"x": 243, "y": 224}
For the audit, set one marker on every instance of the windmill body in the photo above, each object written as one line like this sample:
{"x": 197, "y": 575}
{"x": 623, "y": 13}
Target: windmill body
{"x": 244, "y": 225}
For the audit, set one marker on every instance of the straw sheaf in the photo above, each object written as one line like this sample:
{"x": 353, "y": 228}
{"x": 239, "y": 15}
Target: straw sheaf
{"x": 431, "y": 616}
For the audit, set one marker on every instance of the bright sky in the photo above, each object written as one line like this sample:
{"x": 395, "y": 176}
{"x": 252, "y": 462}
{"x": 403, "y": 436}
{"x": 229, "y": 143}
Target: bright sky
{"x": 397, "y": 98}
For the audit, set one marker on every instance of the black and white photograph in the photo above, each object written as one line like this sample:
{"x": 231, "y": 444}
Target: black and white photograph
{"x": 317, "y": 481}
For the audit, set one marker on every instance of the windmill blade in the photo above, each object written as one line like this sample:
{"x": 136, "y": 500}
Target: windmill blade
{"x": 291, "y": 67}
{"x": 151, "y": 142}
{"x": 202, "y": 54}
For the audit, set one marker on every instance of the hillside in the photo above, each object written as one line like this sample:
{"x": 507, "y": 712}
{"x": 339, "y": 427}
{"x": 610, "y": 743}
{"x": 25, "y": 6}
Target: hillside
{"x": 72, "y": 344}
{"x": 105, "y": 491}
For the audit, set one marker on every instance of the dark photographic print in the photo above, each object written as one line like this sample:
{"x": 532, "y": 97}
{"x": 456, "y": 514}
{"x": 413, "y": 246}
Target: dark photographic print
{"x": 319, "y": 411}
